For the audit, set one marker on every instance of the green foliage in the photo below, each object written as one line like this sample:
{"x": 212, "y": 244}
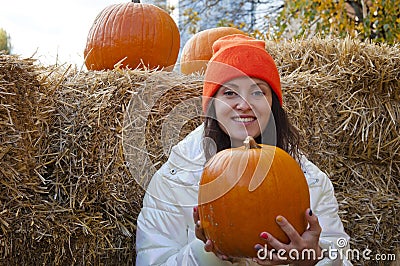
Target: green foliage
{"x": 5, "y": 44}
{"x": 378, "y": 20}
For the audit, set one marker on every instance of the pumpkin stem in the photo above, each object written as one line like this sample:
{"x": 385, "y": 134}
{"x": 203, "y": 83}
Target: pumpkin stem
{"x": 250, "y": 143}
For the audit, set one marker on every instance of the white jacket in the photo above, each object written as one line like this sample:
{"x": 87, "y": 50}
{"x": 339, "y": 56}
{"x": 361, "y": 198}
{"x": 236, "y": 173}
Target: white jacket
{"x": 165, "y": 227}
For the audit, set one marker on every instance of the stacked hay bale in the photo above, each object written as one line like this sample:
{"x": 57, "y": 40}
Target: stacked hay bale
{"x": 66, "y": 195}
{"x": 24, "y": 113}
{"x": 79, "y": 147}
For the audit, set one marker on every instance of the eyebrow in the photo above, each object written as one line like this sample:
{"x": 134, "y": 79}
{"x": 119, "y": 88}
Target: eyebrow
{"x": 258, "y": 84}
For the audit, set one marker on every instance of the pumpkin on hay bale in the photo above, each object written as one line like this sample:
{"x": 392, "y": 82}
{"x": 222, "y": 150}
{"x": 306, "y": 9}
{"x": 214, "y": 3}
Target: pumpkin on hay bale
{"x": 68, "y": 187}
{"x": 132, "y": 35}
{"x": 197, "y": 51}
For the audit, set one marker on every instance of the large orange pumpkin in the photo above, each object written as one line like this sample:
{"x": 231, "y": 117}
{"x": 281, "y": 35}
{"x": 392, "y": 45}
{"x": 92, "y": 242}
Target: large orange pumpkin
{"x": 132, "y": 34}
{"x": 198, "y": 49}
{"x": 243, "y": 190}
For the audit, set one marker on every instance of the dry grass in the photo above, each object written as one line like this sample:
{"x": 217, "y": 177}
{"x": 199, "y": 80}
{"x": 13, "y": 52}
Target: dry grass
{"x": 74, "y": 143}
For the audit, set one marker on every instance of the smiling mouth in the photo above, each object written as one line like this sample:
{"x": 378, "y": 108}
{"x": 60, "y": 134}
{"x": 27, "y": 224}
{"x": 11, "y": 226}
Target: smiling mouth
{"x": 244, "y": 119}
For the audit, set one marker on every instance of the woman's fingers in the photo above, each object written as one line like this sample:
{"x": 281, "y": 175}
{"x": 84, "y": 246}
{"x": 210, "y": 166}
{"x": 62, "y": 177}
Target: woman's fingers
{"x": 208, "y": 246}
{"x": 196, "y": 216}
{"x": 295, "y": 238}
{"x": 279, "y": 252}
{"x": 289, "y": 230}
{"x": 272, "y": 242}
{"x": 312, "y": 220}
{"x": 199, "y": 232}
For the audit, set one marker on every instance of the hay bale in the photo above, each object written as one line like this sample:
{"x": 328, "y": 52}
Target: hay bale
{"x": 82, "y": 145}
{"x": 21, "y": 186}
{"x": 163, "y": 110}
{"x": 66, "y": 194}
{"x": 357, "y": 82}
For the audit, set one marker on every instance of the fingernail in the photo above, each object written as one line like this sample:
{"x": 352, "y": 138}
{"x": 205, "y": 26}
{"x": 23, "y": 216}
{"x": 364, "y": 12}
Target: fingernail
{"x": 198, "y": 223}
{"x": 310, "y": 212}
{"x": 264, "y": 235}
{"x": 258, "y": 247}
{"x": 195, "y": 209}
{"x": 279, "y": 219}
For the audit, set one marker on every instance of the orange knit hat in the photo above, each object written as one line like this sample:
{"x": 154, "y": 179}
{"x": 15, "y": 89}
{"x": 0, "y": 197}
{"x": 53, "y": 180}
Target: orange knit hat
{"x": 235, "y": 56}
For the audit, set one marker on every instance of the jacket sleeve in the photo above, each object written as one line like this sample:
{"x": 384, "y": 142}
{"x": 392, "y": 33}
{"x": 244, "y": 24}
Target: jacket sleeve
{"x": 165, "y": 227}
{"x": 333, "y": 240}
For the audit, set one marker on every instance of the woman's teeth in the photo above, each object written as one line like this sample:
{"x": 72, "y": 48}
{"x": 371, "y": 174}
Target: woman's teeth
{"x": 244, "y": 119}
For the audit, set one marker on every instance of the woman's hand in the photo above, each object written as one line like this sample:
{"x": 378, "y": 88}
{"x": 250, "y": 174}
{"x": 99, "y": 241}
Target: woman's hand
{"x": 208, "y": 245}
{"x": 285, "y": 253}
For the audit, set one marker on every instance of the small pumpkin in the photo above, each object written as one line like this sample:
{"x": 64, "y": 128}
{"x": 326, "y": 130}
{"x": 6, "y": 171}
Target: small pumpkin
{"x": 243, "y": 190}
{"x": 198, "y": 49}
{"x": 132, "y": 34}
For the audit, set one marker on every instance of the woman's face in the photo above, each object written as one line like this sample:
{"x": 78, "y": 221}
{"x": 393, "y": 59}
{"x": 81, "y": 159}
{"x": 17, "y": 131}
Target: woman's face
{"x": 243, "y": 108}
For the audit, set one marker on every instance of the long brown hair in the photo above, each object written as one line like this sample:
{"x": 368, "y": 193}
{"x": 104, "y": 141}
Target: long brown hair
{"x": 279, "y": 132}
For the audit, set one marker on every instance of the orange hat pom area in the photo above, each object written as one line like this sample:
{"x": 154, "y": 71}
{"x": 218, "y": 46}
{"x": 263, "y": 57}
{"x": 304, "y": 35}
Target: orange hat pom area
{"x": 236, "y": 56}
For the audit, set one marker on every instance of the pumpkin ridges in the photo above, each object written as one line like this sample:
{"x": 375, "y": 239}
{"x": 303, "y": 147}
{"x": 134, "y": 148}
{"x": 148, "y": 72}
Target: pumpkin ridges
{"x": 112, "y": 19}
{"x": 120, "y": 19}
{"x": 225, "y": 229}
{"x": 142, "y": 24}
{"x": 96, "y": 58}
{"x": 124, "y": 27}
{"x": 135, "y": 31}
{"x": 282, "y": 162}
{"x": 265, "y": 156}
{"x": 158, "y": 16}
{"x": 105, "y": 42}
{"x": 175, "y": 44}
{"x": 160, "y": 45}
{"x": 170, "y": 51}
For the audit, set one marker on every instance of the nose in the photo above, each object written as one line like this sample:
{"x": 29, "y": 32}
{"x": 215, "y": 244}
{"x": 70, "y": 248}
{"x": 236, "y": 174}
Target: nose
{"x": 242, "y": 104}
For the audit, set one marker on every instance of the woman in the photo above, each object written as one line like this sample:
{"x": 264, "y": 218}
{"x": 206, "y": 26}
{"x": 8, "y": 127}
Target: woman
{"x": 241, "y": 96}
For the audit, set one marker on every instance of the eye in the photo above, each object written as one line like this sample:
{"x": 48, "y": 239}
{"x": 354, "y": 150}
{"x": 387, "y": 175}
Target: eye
{"x": 258, "y": 93}
{"x": 229, "y": 93}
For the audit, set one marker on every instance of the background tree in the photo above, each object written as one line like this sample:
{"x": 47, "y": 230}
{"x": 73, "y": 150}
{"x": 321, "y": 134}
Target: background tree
{"x": 378, "y": 20}
{"x": 249, "y": 16}
{"x": 254, "y": 17}
{"x": 5, "y": 44}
